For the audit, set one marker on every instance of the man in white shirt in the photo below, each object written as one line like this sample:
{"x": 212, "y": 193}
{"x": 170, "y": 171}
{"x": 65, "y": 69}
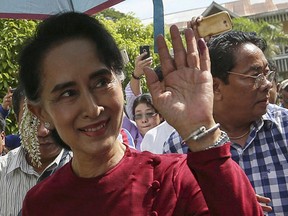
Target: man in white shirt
{"x": 17, "y": 172}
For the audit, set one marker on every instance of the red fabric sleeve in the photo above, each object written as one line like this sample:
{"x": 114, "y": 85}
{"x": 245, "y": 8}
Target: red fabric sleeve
{"x": 225, "y": 186}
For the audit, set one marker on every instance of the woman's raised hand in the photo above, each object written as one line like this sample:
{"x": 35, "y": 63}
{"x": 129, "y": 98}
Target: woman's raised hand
{"x": 185, "y": 96}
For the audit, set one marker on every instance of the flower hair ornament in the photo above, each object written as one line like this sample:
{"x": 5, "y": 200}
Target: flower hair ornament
{"x": 28, "y": 133}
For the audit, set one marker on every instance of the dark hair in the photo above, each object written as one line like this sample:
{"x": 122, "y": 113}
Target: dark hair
{"x": 145, "y": 98}
{"x": 223, "y": 51}
{"x": 59, "y": 29}
{"x": 54, "y": 31}
{"x": 18, "y": 96}
{"x": 2, "y": 124}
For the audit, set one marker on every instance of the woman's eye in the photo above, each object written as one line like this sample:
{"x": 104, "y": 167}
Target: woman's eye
{"x": 68, "y": 93}
{"x": 102, "y": 83}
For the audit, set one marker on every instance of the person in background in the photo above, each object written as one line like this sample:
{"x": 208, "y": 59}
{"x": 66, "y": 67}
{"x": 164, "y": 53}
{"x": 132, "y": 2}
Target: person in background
{"x": 3, "y": 149}
{"x": 12, "y": 141}
{"x": 76, "y": 88}
{"x": 283, "y": 93}
{"x": 145, "y": 114}
{"x": 132, "y": 91}
{"x": 242, "y": 81}
{"x": 6, "y": 103}
{"x": 18, "y": 170}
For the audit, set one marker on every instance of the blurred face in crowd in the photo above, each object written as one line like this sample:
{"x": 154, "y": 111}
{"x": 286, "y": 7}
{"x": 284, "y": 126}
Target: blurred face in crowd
{"x": 146, "y": 118}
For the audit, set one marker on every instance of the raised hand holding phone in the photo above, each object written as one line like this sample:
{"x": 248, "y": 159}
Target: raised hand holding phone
{"x": 145, "y": 49}
{"x": 206, "y": 27}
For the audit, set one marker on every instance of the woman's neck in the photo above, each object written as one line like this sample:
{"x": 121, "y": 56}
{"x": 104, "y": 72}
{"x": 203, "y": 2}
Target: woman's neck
{"x": 95, "y": 165}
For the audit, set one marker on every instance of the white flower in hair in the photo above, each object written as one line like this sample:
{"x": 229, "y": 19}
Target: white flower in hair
{"x": 28, "y": 133}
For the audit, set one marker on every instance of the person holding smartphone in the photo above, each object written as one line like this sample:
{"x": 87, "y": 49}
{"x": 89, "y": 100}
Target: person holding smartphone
{"x": 132, "y": 90}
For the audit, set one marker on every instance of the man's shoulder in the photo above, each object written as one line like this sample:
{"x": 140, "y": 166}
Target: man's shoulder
{"x": 6, "y": 159}
{"x": 276, "y": 113}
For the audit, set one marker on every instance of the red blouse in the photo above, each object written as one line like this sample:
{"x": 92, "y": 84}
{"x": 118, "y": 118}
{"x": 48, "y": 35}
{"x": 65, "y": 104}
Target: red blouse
{"x": 149, "y": 184}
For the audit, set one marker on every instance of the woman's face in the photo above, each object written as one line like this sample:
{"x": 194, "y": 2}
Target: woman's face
{"x": 146, "y": 118}
{"x": 81, "y": 97}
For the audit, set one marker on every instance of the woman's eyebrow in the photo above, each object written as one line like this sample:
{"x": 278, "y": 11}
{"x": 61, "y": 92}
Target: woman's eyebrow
{"x": 61, "y": 86}
{"x": 94, "y": 75}
{"x": 100, "y": 72}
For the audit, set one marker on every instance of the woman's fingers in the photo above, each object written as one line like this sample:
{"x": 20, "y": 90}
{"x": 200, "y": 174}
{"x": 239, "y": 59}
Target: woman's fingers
{"x": 192, "y": 51}
{"x": 166, "y": 61}
{"x": 178, "y": 48}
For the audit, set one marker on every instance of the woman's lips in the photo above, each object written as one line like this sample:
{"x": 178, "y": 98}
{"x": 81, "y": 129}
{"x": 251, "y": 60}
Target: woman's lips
{"x": 95, "y": 129}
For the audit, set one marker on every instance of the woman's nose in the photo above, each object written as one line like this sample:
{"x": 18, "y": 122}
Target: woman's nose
{"x": 144, "y": 118}
{"x": 91, "y": 107}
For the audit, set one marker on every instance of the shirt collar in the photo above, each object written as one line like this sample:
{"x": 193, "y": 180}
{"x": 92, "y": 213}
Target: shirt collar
{"x": 18, "y": 160}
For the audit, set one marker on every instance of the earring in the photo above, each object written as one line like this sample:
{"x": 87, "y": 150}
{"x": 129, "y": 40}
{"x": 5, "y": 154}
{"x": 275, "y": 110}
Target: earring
{"x": 28, "y": 133}
{"x": 47, "y": 125}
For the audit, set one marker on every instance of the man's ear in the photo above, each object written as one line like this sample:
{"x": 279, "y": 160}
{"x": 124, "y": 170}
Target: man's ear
{"x": 217, "y": 83}
{"x": 38, "y": 111}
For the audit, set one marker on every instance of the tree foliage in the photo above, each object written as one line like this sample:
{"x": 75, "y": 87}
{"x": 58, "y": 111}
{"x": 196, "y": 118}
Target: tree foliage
{"x": 12, "y": 35}
{"x": 272, "y": 33}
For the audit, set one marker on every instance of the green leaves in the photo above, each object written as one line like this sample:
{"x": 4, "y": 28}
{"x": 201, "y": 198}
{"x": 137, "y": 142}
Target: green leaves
{"x": 272, "y": 32}
{"x": 12, "y": 35}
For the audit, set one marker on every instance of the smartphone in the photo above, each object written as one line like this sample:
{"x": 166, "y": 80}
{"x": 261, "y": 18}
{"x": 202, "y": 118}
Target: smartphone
{"x": 125, "y": 56}
{"x": 12, "y": 90}
{"x": 146, "y": 49}
{"x": 215, "y": 24}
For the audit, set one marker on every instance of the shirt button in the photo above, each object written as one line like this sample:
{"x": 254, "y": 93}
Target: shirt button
{"x": 154, "y": 213}
{"x": 156, "y": 161}
{"x": 156, "y": 185}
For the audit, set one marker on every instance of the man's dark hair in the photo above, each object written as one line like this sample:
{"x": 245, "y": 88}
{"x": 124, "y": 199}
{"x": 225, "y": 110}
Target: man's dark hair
{"x": 223, "y": 50}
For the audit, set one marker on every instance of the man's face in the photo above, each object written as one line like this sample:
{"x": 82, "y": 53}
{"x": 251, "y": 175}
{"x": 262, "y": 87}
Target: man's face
{"x": 241, "y": 98}
{"x": 49, "y": 150}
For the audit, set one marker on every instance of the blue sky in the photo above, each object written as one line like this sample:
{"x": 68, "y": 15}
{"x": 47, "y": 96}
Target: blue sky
{"x": 144, "y": 8}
